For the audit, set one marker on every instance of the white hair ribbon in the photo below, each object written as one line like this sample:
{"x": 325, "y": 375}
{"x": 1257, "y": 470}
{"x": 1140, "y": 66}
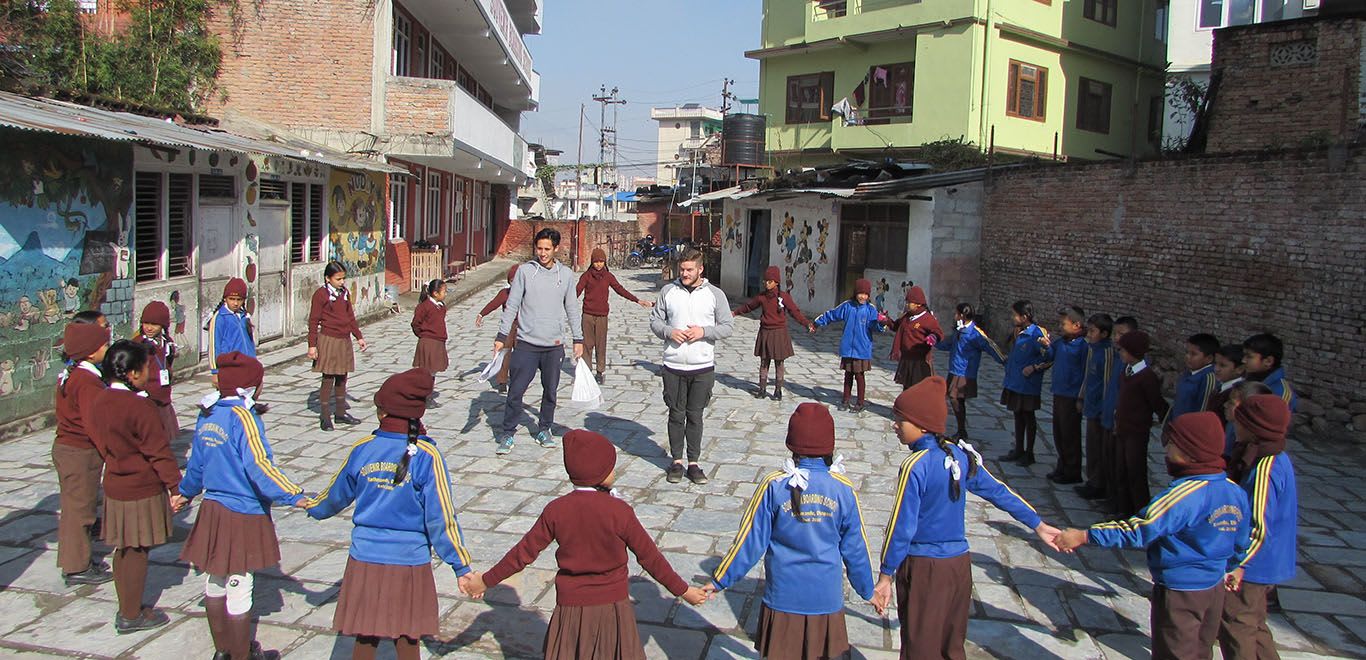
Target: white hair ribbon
{"x": 972, "y": 451}
{"x": 837, "y": 466}
{"x": 951, "y": 464}
{"x": 412, "y": 449}
{"x": 796, "y": 477}
{"x": 247, "y": 393}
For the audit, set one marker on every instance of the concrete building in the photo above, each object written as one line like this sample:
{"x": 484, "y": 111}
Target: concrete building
{"x": 682, "y": 132}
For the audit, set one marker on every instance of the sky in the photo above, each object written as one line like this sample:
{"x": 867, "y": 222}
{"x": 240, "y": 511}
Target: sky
{"x": 658, "y": 53}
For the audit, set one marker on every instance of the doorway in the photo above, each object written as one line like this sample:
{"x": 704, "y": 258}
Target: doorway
{"x": 269, "y": 315}
{"x": 853, "y": 258}
{"x": 760, "y": 225}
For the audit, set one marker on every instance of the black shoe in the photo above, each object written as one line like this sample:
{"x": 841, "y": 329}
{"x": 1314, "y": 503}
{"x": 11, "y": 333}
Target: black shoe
{"x": 325, "y": 424}
{"x": 1062, "y": 480}
{"x": 1026, "y": 459}
{"x": 777, "y": 395}
{"x": 255, "y": 652}
{"x": 759, "y": 393}
{"x": 149, "y": 618}
{"x": 346, "y": 418}
{"x": 674, "y": 473}
{"x": 600, "y": 378}
{"x": 96, "y": 574}
{"x": 1089, "y": 492}
{"x": 502, "y": 388}
{"x": 1010, "y": 456}
{"x": 696, "y": 475}
{"x": 857, "y": 408}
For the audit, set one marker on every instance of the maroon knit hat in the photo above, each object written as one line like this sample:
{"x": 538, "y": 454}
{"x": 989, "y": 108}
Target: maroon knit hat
{"x": 512, "y": 272}
{"x": 773, "y": 274}
{"x": 863, "y": 286}
{"x": 239, "y": 371}
{"x": 588, "y": 457}
{"x": 235, "y": 287}
{"x": 157, "y": 312}
{"x": 1266, "y": 416}
{"x": 811, "y": 430}
{"x": 404, "y": 395}
{"x": 1136, "y": 342}
{"x": 916, "y": 295}
{"x": 81, "y": 340}
{"x": 923, "y": 405}
{"x": 1200, "y": 438}
{"x": 598, "y": 255}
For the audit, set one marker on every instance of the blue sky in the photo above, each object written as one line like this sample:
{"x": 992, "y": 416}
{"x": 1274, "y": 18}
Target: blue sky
{"x": 656, "y": 52}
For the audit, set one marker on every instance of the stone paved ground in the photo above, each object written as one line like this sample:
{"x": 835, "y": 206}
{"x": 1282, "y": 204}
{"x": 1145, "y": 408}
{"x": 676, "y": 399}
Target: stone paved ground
{"x": 1028, "y": 602}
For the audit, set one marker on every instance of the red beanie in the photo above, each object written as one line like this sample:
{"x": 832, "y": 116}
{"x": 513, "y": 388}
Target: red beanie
{"x": 239, "y": 371}
{"x": 1200, "y": 438}
{"x": 598, "y": 255}
{"x": 157, "y": 312}
{"x": 863, "y": 286}
{"x": 588, "y": 457}
{"x": 773, "y": 274}
{"x": 1136, "y": 342}
{"x": 235, "y": 287}
{"x": 916, "y": 295}
{"x": 1266, "y": 416}
{"x": 923, "y": 405}
{"x": 811, "y": 430}
{"x": 512, "y": 272}
{"x": 405, "y": 395}
{"x": 81, "y": 340}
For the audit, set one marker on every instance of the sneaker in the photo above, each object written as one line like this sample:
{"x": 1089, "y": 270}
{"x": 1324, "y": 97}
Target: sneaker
{"x": 96, "y": 574}
{"x": 674, "y": 473}
{"x": 545, "y": 439}
{"x": 504, "y": 446}
{"x": 148, "y": 619}
{"x": 696, "y": 475}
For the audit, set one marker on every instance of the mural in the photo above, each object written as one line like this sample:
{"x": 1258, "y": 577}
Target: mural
{"x": 798, "y": 256}
{"x": 357, "y": 208}
{"x": 733, "y": 236}
{"x": 64, "y": 232}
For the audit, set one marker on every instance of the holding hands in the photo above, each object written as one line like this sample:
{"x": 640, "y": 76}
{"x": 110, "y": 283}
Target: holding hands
{"x": 179, "y": 502}
{"x": 643, "y": 303}
{"x": 697, "y": 595}
{"x": 1071, "y": 539}
{"x": 1049, "y": 535}
{"x": 1234, "y": 580}
{"x": 882, "y": 594}
{"x": 472, "y": 584}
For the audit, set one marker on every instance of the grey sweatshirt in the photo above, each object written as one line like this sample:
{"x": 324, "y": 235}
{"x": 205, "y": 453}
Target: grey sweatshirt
{"x": 678, "y": 307}
{"x": 540, "y": 301}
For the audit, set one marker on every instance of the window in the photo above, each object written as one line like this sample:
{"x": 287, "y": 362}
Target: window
{"x": 1160, "y": 19}
{"x": 1101, "y": 11}
{"x": 808, "y": 97}
{"x": 433, "y": 210}
{"x": 890, "y": 91}
{"x": 695, "y": 129}
{"x": 458, "y": 204}
{"x": 1026, "y": 92}
{"x": 486, "y": 98}
{"x": 147, "y": 225}
{"x": 1211, "y": 13}
{"x": 831, "y": 8}
{"x": 403, "y": 29}
{"x": 1093, "y": 105}
{"x": 179, "y": 210}
{"x": 465, "y": 80}
{"x": 274, "y": 189}
{"x": 1220, "y": 13}
{"x": 163, "y": 206}
{"x": 305, "y": 222}
{"x": 217, "y": 186}
{"x": 398, "y": 207}
{"x": 437, "y": 68}
{"x": 477, "y": 205}
{"x": 889, "y": 232}
{"x": 316, "y": 208}
{"x": 1156, "y": 108}
{"x": 88, "y": 6}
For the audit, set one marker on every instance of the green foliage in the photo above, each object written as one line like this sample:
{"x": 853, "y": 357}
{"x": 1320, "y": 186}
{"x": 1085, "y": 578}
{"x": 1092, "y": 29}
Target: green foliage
{"x": 948, "y": 155}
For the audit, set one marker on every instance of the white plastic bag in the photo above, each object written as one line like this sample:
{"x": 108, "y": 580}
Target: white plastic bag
{"x": 586, "y": 388}
{"x": 491, "y": 369}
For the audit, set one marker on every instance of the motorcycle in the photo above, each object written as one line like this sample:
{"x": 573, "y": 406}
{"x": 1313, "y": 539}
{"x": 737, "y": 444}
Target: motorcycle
{"x": 646, "y": 253}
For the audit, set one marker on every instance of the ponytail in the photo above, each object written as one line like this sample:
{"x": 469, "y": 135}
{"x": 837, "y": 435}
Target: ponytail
{"x": 402, "y": 472}
{"x": 123, "y": 358}
{"x": 955, "y": 487}
{"x": 797, "y": 491}
{"x": 431, "y": 288}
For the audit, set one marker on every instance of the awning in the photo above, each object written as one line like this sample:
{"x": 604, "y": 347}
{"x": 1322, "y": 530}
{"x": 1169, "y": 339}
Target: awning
{"x": 621, "y": 196}
{"x": 62, "y": 118}
{"x": 736, "y": 193}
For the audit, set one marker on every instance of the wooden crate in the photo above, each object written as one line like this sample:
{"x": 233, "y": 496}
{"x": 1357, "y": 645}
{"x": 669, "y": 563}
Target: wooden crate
{"x": 426, "y": 266}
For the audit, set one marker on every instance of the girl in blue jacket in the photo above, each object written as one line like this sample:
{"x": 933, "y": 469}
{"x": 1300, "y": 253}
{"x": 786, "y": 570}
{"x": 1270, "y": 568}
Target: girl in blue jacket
{"x": 861, "y": 320}
{"x": 966, "y": 346}
{"x": 404, "y": 511}
{"x": 806, "y": 523}
{"x": 232, "y": 465}
{"x": 1023, "y": 380}
{"x": 229, "y": 327}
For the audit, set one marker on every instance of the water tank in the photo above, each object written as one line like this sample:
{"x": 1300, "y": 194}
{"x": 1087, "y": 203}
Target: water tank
{"x": 743, "y": 140}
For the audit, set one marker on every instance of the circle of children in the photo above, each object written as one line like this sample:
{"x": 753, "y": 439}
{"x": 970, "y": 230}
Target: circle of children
{"x": 1218, "y": 539}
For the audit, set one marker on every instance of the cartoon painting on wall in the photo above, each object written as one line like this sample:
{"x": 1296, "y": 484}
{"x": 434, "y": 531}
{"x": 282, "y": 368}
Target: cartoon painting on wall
{"x": 733, "y": 238}
{"x": 357, "y": 208}
{"x": 798, "y": 256}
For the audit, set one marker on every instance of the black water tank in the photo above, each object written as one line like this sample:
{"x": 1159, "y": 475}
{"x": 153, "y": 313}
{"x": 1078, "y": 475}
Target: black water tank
{"x": 743, "y": 140}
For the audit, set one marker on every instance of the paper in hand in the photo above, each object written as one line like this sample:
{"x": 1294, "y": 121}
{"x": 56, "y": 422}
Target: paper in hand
{"x": 491, "y": 369}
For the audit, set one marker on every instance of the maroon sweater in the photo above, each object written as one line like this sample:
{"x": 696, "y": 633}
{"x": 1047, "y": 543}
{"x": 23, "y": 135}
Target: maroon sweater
{"x": 593, "y": 285}
{"x": 333, "y": 318}
{"x": 776, "y": 306}
{"x": 429, "y": 320}
{"x": 912, "y": 337}
{"x": 499, "y": 301}
{"x": 594, "y": 529}
{"x": 162, "y": 354}
{"x": 1140, "y": 400}
{"x": 80, "y": 392}
{"x": 137, "y": 452}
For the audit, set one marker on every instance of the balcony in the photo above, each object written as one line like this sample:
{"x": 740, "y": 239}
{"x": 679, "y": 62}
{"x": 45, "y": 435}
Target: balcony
{"x": 437, "y": 123}
{"x": 485, "y": 37}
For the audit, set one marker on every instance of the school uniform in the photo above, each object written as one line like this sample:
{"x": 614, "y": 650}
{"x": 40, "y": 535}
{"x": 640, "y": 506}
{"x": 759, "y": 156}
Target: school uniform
{"x": 1139, "y": 402}
{"x": 139, "y": 470}
{"x": 1100, "y": 360}
{"x": 926, "y": 547}
{"x": 331, "y": 324}
{"x": 913, "y": 347}
{"x": 78, "y": 463}
{"x": 1281, "y": 387}
{"x": 229, "y": 331}
{"x": 1217, "y": 402}
{"x": 161, "y": 353}
{"x": 1193, "y": 393}
{"x": 1021, "y": 393}
{"x": 594, "y": 285}
{"x": 500, "y": 301}
{"x": 1193, "y": 532}
{"x": 1109, "y": 443}
{"x": 856, "y": 344}
{"x": 805, "y": 556}
{"x": 1068, "y": 357}
{"x": 966, "y": 347}
{"x": 1270, "y": 558}
{"x": 773, "y": 342}
{"x": 429, "y": 326}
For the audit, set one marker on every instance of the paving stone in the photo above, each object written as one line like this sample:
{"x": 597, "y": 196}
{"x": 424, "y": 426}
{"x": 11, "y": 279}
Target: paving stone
{"x": 1299, "y": 600}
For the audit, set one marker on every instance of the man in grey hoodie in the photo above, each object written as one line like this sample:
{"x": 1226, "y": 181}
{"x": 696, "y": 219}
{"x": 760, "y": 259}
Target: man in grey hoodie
{"x": 541, "y": 299}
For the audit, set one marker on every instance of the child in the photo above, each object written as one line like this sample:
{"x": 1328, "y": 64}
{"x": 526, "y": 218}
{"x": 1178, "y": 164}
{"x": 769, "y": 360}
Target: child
{"x": 500, "y": 300}
{"x": 806, "y": 523}
{"x": 861, "y": 319}
{"x": 154, "y": 336}
{"x": 140, "y": 474}
{"x": 1100, "y": 360}
{"x": 1069, "y": 358}
{"x": 429, "y": 326}
{"x": 330, "y": 321}
{"x": 1236, "y": 396}
{"x": 966, "y": 347}
{"x": 1263, "y": 357}
{"x": 593, "y": 286}
{"x": 404, "y": 511}
{"x": 1228, "y": 371}
{"x": 917, "y": 331}
{"x": 1198, "y": 384}
{"x": 78, "y": 462}
{"x": 1023, "y": 381}
{"x": 229, "y": 325}
{"x": 926, "y": 551}
{"x": 1267, "y": 476}
{"x": 593, "y": 616}
{"x": 232, "y": 464}
{"x": 1109, "y": 444}
{"x": 773, "y": 342}
{"x": 1194, "y": 532}
{"x": 1140, "y": 400}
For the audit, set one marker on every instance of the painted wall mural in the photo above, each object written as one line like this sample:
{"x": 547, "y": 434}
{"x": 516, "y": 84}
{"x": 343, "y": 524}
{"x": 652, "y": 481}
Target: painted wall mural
{"x": 357, "y": 208}
{"x": 733, "y": 235}
{"x": 798, "y": 255}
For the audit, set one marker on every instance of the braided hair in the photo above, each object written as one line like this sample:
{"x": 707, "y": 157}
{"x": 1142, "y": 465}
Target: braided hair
{"x": 797, "y": 491}
{"x": 402, "y": 472}
{"x": 125, "y": 357}
{"x": 955, "y": 486}
{"x": 965, "y": 310}
{"x": 246, "y": 319}
{"x": 431, "y": 289}
{"x": 84, "y": 317}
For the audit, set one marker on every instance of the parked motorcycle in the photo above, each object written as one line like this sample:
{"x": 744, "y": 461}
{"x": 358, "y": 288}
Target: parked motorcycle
{"x": 648, "y": 254}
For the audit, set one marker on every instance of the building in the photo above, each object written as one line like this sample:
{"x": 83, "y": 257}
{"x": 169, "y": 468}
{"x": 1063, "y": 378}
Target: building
{"x": 683, "y": 131}
{"x": 1078, "y": 79}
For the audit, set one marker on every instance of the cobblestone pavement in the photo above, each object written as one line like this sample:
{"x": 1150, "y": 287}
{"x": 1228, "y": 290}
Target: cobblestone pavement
{"x": 1029, "y": 603}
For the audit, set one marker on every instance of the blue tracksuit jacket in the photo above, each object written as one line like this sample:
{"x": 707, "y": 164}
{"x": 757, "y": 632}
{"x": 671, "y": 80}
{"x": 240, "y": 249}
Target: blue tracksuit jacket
{"x": 1025, "y": 351}
{"x": 1275, "y": 501}
{"x": 232, "y": 464}
{"x": 1196, "y": 531}
{"x": 1111, "y": 399}
{"x": 1068, "y": 356}
{"x": 804, "y": 559}
{"x": 1097, "y": 379}
{"x": 397, "y": 525}
{"x": 228, "y": 333}
{"x": 966, "y": 347}
{"x": 925, "y": 522}
{"x": 1193, "y": 391}
{"x": 860, "y": 322}
{"x": 1281, "y": 388}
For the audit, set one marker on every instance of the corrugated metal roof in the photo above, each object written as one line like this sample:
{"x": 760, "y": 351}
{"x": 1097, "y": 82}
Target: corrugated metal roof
{"x": 51, "y": 116}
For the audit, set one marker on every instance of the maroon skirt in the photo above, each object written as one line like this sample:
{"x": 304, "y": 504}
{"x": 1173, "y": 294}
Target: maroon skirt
{"x": 910, "y": 371}
{"x": 1017, "y": 402}
{"x": 809, "y": 637}
{"x": 386, "y": 601}
{"x": 855, "y": 365}
{"x": 431, "y": 355}
{"x": 224, "y": 542}
{"x": 168, "y": 420}
{"x": 336, "y": 357}
{"x": 962, "y": 387}
{"x": 599, "y": 632}
{"x": 773, "y": 344}
{"x": 137, "y": 523}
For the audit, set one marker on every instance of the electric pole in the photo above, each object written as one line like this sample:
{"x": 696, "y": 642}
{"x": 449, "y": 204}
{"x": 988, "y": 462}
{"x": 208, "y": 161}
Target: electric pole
{"x": 726, "y": 96}
{"x": 604, "y": 99}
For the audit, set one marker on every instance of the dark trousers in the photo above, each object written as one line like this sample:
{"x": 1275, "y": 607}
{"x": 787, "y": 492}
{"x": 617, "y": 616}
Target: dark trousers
{"x": 1243, "y": 633}
{"x": 525, "y": 360}
{"x": 1067, "y": 436}
{"x": 1131, "y": 473}
{"x": 595, "y": 340}
{"x": 78, "y": 482}
{"x": 932, "y": 601}
{"x": 687, "y": 397}
{"x": 1185, "y": 623}
{"x": 1095, "y": 454}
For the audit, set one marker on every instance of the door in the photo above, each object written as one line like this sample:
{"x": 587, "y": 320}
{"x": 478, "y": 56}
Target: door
{"x": 853, "y": 258}
{"x": 273, "y": 252}
{"x": 760, "y": 241}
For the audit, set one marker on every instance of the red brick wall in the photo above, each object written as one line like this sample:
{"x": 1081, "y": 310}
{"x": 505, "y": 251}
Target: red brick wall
{"x": 415, "y": 106}
{"x": 576, "y": 237}
{"x": 1232, "y": 245}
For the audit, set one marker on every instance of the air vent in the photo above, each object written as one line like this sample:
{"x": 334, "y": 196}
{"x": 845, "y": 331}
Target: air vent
{"x": 217, "y": 186}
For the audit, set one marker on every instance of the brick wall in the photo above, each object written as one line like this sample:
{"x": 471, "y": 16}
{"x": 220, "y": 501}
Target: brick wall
{"x": 1287, "y": 84}
{"x": 416, "y": 106}
{"x": 576, "y": 237}
{"x": 1233, "y": 244}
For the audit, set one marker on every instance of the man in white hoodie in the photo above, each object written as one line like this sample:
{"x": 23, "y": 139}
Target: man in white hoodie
{"x": 690, "y": 316}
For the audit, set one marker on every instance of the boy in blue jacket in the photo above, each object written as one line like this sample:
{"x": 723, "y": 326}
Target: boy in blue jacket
{"x": 1067, "y": 358}
{"x": 1266, "y": 474}
{"x": 1195, "y": 533}
{"x": 1263, "y": 360}
{"x": 806, "y": 523}
{"x": 966, "y": 346}
{"x": 1099, "y": 366}
{"x": 1198, "y": 385}
{"x": 861, "y": 319}
{"x": 229, "y": 326}
{"x": 1023, "y": 381}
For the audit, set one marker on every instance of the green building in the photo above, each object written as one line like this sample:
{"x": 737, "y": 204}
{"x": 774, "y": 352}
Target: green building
{"x": 1079, "y": 78}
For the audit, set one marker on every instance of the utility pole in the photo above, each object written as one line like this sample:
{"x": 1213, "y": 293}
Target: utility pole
{"x": 604, "y": 99}
{"x": 578, "y": 169}
{"x": 726, "y": 96}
